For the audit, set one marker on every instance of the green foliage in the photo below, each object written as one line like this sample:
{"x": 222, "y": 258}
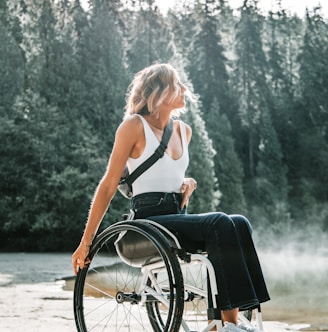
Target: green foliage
{"x": 310, "y": 116}
{"x": 201, "y": 153}
{"x": 11, "y": 68}
{"x": 228, "y": 167}
{"x": 208, "y": 73}
{"x": 207, "y": 62}
{"x": 250, "y": 80}
{"x": 149, "y": 38}
{"x": 259, "y": 129}
{"x": 271, "y": 181}
{"x": 201, "y": 166}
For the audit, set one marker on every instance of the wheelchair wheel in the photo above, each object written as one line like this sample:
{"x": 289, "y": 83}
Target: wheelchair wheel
{"x": 134, "y": 282}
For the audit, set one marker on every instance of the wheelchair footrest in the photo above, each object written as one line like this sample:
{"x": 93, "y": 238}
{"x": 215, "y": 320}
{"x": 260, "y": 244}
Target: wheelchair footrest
{"x": 214, "y": 313}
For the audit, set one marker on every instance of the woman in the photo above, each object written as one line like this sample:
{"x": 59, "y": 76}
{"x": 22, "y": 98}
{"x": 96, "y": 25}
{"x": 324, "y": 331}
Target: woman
{"x": 162, "y": 193}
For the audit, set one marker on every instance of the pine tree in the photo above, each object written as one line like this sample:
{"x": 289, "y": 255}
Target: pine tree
{"x": 267, "y": 184}
{"x": 98, "y": 89}
{"x": 29, "y": 161}
{"x": 310, "y": 118}
{"x": 201, "y": 152}
{"x": 148, "y": 36}
{"x": 65, "y": 152}
{"x": 228, "y": 167}
{"x": 271, "y": 180}
{"x": 313, "y": 69}
{"x": 284, "y": 39}
{"x": 63, "y": 76}
{"x": 250, "y": 80}
{"x": 208, "y": 73}
{"x": 276, "y": 127}
{"x": 207, "y": 62}
{"x": 12, "y": 67}
{"x": 201, "y": 165}
{"x": 104, "y": 76}
{"x": 182, "y": 23}
{"x": 283, "y": 44}
{"x": 12, "y": 62}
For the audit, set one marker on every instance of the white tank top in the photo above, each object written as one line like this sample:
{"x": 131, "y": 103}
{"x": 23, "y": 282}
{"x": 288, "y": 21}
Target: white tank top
{"x": 167, "y": 174}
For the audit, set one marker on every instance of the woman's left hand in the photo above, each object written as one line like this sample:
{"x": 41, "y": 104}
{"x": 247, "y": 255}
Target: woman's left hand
{"x": 187, "y": 188}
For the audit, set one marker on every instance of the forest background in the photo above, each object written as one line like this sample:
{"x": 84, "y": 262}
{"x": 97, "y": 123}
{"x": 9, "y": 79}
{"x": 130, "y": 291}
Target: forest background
{"x": 260, "y": 135}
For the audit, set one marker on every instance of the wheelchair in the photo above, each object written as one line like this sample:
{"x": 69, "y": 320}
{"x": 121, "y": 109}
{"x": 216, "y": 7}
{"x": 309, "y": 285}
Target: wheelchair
{"x": 141, "y": 279}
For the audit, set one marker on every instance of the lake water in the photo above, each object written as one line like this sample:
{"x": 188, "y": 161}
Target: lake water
{"x": 297, "y": 282}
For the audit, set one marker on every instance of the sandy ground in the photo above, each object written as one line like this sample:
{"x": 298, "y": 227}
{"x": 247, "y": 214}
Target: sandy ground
{"x": 46, "y": 307}
{"x": 32, "y": 298}
{"x": 36, "y": 308}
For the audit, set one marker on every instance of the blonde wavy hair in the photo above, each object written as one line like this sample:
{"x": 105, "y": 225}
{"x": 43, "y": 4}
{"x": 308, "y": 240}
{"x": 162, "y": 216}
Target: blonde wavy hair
{"x": 150, "y": 87}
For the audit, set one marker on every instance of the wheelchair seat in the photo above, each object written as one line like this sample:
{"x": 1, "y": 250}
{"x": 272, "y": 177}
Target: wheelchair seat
{"x": 137, "y": 250}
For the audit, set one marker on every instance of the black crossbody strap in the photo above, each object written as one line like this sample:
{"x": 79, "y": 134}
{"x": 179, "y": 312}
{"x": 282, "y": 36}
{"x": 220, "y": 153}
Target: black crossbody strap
{"x": 159, "y": 153}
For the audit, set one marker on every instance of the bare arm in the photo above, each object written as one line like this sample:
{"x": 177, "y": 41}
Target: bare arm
{"x": 124, "y": 146}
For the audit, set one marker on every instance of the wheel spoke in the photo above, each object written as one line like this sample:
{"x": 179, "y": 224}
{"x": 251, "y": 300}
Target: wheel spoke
{"x": 116, "y": 295}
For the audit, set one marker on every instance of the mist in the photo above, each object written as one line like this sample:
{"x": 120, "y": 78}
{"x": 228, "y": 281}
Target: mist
{"x": 295, "y": 266}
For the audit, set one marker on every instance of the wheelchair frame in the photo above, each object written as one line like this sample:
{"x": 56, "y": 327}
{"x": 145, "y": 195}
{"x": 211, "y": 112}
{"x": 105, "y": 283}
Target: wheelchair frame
{"x": 135, "y": 281}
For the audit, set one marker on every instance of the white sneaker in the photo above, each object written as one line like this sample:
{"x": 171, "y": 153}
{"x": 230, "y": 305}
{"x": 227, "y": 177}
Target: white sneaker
{"x": 231, "y": 327}
{"x": 247, "y": 327}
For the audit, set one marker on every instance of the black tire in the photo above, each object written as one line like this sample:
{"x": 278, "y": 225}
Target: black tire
{"x": 118, "y": 289}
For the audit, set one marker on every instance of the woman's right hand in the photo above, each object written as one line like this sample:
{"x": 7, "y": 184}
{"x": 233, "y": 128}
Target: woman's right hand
{"x": 80, "y": 257}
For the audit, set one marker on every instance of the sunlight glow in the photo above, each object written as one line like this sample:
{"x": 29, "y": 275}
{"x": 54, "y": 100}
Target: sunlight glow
{"x": 293, "y": 7}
